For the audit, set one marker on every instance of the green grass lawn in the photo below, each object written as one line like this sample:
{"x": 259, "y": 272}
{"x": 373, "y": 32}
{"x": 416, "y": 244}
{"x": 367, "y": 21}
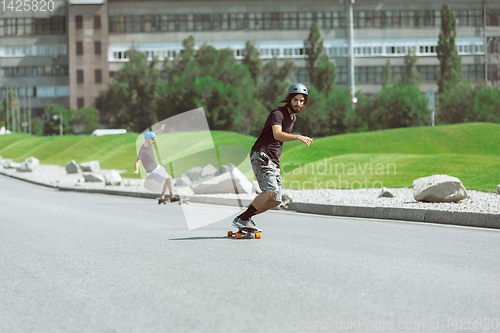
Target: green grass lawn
{"x": 390, "y": 158}
{"x": 116, "y": 151}
{"x": 394, "y": 158}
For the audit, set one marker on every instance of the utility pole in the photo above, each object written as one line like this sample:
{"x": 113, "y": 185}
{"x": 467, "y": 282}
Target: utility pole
{"x": 13, "y": 109}
{"x": 25, "y": 124}
{"x": 7, "y": 109}
{"x": 18, "y": 107}
{"x": 351, "y": 52}
{"x": 485, "y": 44}
{"x": 29, "y": 114}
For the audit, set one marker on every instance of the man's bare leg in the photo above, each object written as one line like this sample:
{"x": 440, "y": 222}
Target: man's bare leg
{"x": 262, "y": 199}
{"x": 169, "y": 183}
{"x": 268, "y": 205}
{"x": 260, "y": 203}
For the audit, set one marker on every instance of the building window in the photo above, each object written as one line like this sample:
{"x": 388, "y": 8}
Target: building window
{"x": 371, "y": 74}
{"x": 79, "y": 21}
{"x": 342, "y": 75}
{"x": 97, "y": 22}
{"x": 469, "y": 17}
{"x": 36, "y": 71}
{"x": 98, "y": 76}
{"x": 80, "y": 102}
{"x": 473, "y": 72}
{"x": 303, "y": 75}
{"x": 427, "y": 73}
{"x": 494, "y": 72}
{"x": 79, "y": 48}
{"x": 493, "y": 17}
{"x": 97, "y": 48}
{"x": 79, "y": 76}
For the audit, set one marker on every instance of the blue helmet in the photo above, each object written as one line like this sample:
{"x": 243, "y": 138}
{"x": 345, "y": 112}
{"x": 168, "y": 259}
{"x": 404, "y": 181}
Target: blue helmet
{"x": 149, "y": 135}
{"x": 297, "y": 88}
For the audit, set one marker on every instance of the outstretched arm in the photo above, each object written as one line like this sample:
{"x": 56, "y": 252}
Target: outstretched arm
{"x": 136, "y": 167}
{"x": 160, "y": 130}
{"x": 282, "y": 136}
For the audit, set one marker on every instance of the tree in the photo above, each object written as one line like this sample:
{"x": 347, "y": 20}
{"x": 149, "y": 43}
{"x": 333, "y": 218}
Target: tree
{"x": 3, "y": 116}
{"x": 411, "y": 77}
{"x": 252, "y": 61}
{"x": 87, "y": 119}
{"x": 322, "y": 72}
{"x": 52, "y": 120}
{"x": 326, "y": 74}
{"x": 397, "y": 106}
{"x": 129, "y": 101}
{"x": 9, "y": 103}
{"x": 450, "y": 69}
{"x": 211, "y": 79}
{"x": 386, "y": 78}
{"x": 327, "y": 113}
{"x": 81, "y": 121}
{"x": 456, "y": 103}
{"x": 274, "y": 88}
{"x": 470, "y": 102}
{"x": 486, "y": 104}
{"x": 314, "y": 49}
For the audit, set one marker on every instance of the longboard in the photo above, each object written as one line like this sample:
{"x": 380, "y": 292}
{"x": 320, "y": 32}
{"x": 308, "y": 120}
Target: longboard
{"x": 181, "y": 201}
{"x": 245, "y": 233}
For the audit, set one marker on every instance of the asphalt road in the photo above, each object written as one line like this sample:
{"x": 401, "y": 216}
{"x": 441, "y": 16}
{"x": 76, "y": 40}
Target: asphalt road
{"x": 77, "y": 262}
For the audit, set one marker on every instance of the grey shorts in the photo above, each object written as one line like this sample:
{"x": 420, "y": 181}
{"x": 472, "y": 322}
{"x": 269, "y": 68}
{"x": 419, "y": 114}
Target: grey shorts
{"x": 267, "y": 173}
{"x": 159, "y": 174}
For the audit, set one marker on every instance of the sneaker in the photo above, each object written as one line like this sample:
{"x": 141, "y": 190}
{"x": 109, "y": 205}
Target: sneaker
{"x": 239, "y": 223}
{"x": 254, "y": 225}
{"x": 175, "y": 198}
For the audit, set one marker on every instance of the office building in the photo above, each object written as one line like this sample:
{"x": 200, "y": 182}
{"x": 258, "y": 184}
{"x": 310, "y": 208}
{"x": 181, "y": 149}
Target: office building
{"x": 67, "y": 53}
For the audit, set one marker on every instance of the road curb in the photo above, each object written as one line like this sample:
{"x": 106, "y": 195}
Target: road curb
{"x": 469, "y": 219}
{"x": 28, "y": 180}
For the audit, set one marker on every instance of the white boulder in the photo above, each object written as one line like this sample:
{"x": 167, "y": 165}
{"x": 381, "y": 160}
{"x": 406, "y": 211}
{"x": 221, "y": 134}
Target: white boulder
{"x": 439, "y": 188}
{"x": 224, "y": 169}
{"x": 72, "y": 167}
{"x": 183, "y": 181}
{"x": 90, "y": 166}
{"x": 9, "y": 164}
{"x": 33, "y": 161}
{"x": 385, "y": 193}
{"x": 207, "y": 171}
{"x": 113, "y": 178}
{"x": 25, "y": 167}
{"x": 191, "y": 173}
{"x": 224, "y": 184}
{"x": 93, "y": 178}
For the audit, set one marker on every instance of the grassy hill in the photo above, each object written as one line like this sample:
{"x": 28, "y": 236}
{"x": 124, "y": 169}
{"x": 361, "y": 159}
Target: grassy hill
{"x": 391, "y": 158}
{"x": 112, "y": 151}
{"x": 394, "y": 158}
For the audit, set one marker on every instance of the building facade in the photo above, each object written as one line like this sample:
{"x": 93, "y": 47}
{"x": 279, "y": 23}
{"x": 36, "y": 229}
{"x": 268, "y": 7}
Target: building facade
{"x": 66, "y": 53}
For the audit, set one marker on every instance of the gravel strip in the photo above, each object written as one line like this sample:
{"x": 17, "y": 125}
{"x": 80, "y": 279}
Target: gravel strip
{"x": 477, "y": 202}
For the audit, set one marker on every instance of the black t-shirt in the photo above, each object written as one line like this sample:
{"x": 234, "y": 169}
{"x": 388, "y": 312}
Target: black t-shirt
{"x": 266, "y": 142}
{"x": 147, "y": 156}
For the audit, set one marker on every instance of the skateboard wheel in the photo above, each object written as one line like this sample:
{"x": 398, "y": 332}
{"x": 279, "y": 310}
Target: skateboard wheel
{"x": 230, "y": 234}
{"x": 258, "y": 235}
{"x": 238, "y": 236}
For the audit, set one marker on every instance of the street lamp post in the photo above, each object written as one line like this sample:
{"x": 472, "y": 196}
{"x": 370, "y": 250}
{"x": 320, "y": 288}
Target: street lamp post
{"x": 60, "y": 117}
{"x": 351, "y": 52}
